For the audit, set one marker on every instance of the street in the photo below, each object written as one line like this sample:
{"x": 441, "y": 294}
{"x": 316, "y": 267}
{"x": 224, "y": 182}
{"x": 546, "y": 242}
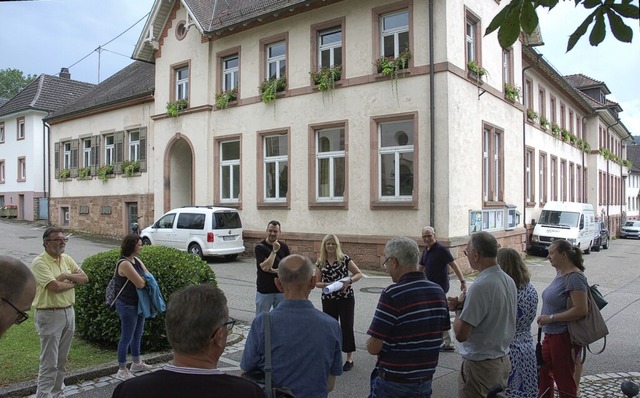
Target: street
{"x": 615, "y": 270}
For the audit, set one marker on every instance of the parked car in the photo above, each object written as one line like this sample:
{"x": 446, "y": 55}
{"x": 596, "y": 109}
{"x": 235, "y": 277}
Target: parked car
{"x": 200, "y": 230}
{"x": 630, "y": 229}
{"x": 602, "y": 236}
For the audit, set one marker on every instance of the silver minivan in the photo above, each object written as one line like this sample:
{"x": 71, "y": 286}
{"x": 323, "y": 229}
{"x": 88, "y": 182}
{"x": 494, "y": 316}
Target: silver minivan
{"x": 200, "y": 230}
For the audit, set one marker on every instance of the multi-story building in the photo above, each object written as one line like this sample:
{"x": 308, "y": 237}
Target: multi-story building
{"x": 633, "y": 184}
{"x": 24, "y": 138}
{"x": 412, "y": 121}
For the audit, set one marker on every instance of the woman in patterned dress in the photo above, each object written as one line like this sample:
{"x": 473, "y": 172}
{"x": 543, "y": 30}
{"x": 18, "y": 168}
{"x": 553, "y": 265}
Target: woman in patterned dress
{"x": 523, "y": 379}
{"x": 333, "y": 266}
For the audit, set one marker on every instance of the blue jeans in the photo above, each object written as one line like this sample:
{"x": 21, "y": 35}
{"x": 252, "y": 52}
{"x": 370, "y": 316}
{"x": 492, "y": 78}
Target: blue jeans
{"x": 131, "y": 328}
{"x": 264, "y": 301}
{"x": 381, "y": 388}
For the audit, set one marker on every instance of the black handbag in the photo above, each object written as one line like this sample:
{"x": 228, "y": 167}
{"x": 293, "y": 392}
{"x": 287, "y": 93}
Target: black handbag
{"x": 539, "y": 360}
{"x": 599, "y": 299}
{"x": 263, "y": 378}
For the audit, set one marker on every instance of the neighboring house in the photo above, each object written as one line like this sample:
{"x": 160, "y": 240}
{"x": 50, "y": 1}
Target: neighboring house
{"x": 100, "y": 146}
{"x": 633, "y": 183}
{"x": 24, "y": 168}
{"x": 375, "y": 155}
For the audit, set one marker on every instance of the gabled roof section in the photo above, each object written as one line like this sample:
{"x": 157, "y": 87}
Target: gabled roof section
{"x": 633, "y": 154}
{"x": 583, "y": 82}
{"x": 46, "y": 93}
{"x": 134, "y": 81}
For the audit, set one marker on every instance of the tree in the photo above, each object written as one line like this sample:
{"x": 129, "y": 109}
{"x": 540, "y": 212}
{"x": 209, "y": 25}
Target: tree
{"x": 522, "y": 14}
{"x": 12, "y": 81}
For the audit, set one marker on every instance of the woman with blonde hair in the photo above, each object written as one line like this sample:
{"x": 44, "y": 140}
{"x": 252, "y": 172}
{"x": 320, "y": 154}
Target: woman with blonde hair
{"x": 523, "y": 378}
{"x": 334, "y": 265}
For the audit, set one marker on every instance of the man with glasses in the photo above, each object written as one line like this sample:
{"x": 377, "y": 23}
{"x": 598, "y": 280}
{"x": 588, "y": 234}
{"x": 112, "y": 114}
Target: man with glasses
{"x": 406, "y": 329}
{"x": 268, "y": 254}
{"x": 56, "y": 278}
{"x": 485, "y": 320}
{"x": 17, "y": 289}
{"x": 197, "y": 324}
{"x": 435, "y": 262}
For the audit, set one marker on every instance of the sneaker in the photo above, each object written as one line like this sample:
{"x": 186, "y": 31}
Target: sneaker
{"x": 140, "y": 367}
{"x": 124, "y": 374}
{"x": 448, "y": 348}
{"x": 347, "y": 366}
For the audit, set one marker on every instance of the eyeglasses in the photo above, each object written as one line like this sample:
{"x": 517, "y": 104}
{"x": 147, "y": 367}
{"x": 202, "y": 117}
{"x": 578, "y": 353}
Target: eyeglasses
{"x": 466, "y": 253}
{"x": 58, "y": 240}
{"x": 230, "y": 324}
{"x": 22, "y": 316}
{"x": 384, "y": 264}
{"x": 427, "y": 236}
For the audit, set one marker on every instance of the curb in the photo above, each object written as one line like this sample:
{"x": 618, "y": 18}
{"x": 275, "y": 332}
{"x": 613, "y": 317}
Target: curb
{"x": 27, "y": 388}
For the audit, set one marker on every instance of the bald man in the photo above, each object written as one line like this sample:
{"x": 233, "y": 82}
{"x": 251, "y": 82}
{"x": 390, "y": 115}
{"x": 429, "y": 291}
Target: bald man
{"x": 17, "y": 290}
{"x": 300, "y": 334}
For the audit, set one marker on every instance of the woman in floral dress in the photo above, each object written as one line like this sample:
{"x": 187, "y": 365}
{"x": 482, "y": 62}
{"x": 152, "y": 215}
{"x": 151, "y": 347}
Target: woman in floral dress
{"x": 523, "y": 379}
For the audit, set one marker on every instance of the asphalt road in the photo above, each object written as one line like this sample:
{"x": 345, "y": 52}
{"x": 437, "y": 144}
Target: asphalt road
{"x": 616, "y": 270}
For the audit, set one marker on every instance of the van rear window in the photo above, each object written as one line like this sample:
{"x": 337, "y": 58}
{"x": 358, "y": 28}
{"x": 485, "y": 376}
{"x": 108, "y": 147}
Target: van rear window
{"x": 191, "y": 221}
{"x": 226, "y": 219}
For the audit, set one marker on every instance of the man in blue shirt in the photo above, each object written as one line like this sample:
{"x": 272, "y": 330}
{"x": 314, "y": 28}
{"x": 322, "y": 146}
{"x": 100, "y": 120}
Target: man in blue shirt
{"x": 306, "y": 352}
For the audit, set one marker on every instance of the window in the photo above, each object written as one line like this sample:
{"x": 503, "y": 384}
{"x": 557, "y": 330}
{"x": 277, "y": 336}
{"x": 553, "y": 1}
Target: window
{"x": 492, "y": 165}
{"x": 563, "y": 116}
{"x": 229, "y": 170}
{"x": 572, "y": 182}
{"x": 472, "y": 35}
{"x": 579, "y": 126}
{"x": 542, "y": 183}
{"x": 2, "y": 171}
{"x": 552, "y": 109}
{"x": 22, "y": 168}
{"x": 395, "y": 160}
{"x": 330, "y": 167}
{"x": 276, "y": 60}
{"x": 66, "y": 155}
{"x": 86, "y": 153}
{"x": 230, "y": 68}
{"x": 330, "y": 47}
{"x": 528, "y": 94}
{"x": 180, "y": 75}
{"x": 275, "y": 167}
{"x": 134, "y": 146}
{"x": 109, "y": 149}
{"x": 554, "y": 178}
{"x": 530, "y": 175}
{"x": 21, "y": 127}
{"x": 507, "y": 66}
{"x": 542, "y": 111}
{"x": 1, "y": 132}
{"x": 571, "y": 121}
{"x": 563, "y": 180}
{"x": 181, "y": 30}
{"x": 394, "y": 33}
{"x": 578, "y": 183}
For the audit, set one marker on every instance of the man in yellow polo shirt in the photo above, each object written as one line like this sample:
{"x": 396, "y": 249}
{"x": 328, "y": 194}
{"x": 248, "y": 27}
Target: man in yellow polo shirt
{"x": 56, "y": 277}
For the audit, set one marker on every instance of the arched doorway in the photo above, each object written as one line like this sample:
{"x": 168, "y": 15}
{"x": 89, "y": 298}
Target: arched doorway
{"x": 178, "y": 173}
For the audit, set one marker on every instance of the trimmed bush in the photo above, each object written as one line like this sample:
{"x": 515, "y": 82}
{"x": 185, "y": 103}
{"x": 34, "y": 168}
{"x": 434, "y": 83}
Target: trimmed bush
{"x": 173, "y": 269}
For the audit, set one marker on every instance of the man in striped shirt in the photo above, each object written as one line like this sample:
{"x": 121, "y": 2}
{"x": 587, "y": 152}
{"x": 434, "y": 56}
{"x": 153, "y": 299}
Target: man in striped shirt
{"x": 406, "y": 330}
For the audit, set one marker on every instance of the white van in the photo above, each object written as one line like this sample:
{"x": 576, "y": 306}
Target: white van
{"x": 571, "y": 221}
{"x": 200, "y": 230}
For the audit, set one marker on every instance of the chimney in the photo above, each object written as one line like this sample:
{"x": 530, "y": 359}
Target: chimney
{"x": 64, "y": 73}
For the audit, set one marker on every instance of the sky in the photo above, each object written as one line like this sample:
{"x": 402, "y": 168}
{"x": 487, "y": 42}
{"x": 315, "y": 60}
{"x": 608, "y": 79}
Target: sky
{"x": 51, "y": 34}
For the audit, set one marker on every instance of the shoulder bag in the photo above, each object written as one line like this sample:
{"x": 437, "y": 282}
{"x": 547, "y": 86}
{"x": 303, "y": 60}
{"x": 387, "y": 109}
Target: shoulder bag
{"x": 110, "y": 295}
{"x": 589, "y": 329}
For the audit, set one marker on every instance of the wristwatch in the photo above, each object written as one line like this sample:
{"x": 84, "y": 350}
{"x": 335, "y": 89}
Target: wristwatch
{"x": 274, "y": 251}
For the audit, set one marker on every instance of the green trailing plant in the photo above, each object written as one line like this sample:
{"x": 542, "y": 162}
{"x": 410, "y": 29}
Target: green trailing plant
{"x": 172, "y": 268}
{"x": 269, "y": 88}
{"x": 586, "y": 147}
{"x": 64, "y": 174}
{"x": 174, "y": 107}
{"x": 544, "y": 122}
{"x": 105, "y": 171}
{"x": 627, "y": 163}
{"x": 478, "y": 71}
{"x": 556, "y": 130}
{"x": 325, "y": 79}
{"x": 573, "y": 138}
{"x": 566, "y": 135}
{"x": 532, "y": 115}
{"x": 84, "y": 172}
{"x": 129, "y": 167}
{"x": 223, "y": 98}
{"x": 512, "y": 92}
{"x": 392, "y": 66}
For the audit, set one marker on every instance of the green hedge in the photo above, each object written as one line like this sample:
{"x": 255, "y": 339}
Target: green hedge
{"x": 172, "y": 268}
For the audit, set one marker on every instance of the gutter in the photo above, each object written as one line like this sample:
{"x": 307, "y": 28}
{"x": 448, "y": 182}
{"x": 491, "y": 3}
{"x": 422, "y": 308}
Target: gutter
{"x": 46, "y": 169}
{"x": 432, "y": 122}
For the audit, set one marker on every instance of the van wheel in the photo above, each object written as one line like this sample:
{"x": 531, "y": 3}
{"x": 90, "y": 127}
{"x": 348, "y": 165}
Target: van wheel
{"x": 230, "y": 257}
{"x": 588, "y": 250}
{"x": 195, "y": 249}
{"x": 596, "y": 248}
{"x": 605, "y": 244}
{"x": 146, "y": 242}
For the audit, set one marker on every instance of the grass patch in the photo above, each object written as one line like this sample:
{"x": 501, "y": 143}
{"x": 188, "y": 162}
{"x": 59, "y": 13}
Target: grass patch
{"x": 20, "y": 354}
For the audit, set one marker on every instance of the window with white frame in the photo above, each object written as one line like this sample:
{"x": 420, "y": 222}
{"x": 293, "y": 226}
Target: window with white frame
{"x": 542, "y": 167}
{"x": 109, "y": 149}
{"x": 229, "y": 170}
{"x": 506, "y": 66}
{"x": 492, "y": 165}
{"x": 66, "y": 155}
{"x": 230, "y": 69}
{"x": 22, "y": 168}
{"x": 330, "y": 48}
{"x": 2, "y": 171}
{"x": 21, "y": 128}
{"x": 182, "y": 83}
{"x": 276, "y": 60}
{"x": 394, "y": 33}
{"x": 134, "y": 146}
{"x": 472, "y": 37}
{"x": 86, "y": 152}
{"x": 554, "y": 178}
{"x": 2, "y": 133}
{"x": 330, "y": 164}
{"x": 563, "y": 180}
{"x": 395, "y": 162}
{"x": 276, "y": 167}
{"x": 530, "y": 175}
